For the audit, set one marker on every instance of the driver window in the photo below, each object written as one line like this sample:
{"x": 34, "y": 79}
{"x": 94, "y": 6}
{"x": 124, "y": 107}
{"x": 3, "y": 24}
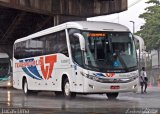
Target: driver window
{"x": 75, "y": 48}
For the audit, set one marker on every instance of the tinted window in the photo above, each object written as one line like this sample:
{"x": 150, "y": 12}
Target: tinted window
{"x": 51, "y": 43}
{"x": 48, "y": 44}
{"x": 62, "y": 43}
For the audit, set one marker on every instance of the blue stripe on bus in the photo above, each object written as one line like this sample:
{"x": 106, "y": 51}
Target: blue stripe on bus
{"x": 29, "y": 74}
{"x": 32, "y": 70}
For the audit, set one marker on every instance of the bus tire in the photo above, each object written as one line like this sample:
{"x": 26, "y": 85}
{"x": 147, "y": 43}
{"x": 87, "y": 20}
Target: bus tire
{"x": 25, "y": 88}
{"x": 112, "y": 96}
{"x": 66, "y": 90}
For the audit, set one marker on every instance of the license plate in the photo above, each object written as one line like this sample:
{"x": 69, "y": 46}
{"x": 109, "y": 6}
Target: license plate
{"x": 115, "y": 87}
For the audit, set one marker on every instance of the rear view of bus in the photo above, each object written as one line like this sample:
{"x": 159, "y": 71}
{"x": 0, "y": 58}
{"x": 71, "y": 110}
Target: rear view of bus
{"x": 5, "y": 68}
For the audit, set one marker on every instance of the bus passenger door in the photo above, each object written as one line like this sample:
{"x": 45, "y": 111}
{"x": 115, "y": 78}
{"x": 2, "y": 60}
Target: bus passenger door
{"x": 76, "y": 57}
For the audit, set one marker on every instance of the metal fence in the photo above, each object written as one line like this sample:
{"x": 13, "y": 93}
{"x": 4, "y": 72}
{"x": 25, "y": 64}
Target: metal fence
{"x": 151, "y": 63}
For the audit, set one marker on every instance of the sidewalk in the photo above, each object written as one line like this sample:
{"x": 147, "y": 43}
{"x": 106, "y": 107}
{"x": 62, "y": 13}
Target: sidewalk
{"x": 150, "y": 89}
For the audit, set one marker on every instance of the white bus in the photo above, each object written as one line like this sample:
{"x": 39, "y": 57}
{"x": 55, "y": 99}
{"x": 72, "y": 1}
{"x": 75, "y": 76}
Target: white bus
{"x": 77, "y": 57}
{"x": 5, "y": 71}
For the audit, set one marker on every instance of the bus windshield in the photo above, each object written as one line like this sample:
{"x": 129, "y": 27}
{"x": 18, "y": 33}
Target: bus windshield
{"x": 108, "y": 51}
{"x": 4, "y": 67}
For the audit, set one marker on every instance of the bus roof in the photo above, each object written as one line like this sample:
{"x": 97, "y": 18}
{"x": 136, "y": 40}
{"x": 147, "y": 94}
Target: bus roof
{"x": 83, "y": 25}
{"x": 4, "y": 55}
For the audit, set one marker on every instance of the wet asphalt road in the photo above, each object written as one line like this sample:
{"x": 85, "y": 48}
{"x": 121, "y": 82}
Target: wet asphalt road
{"x": 15, "y": 102}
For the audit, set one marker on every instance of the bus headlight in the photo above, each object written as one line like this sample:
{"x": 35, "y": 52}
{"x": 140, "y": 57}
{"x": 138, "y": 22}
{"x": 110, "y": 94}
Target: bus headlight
{"x": 9, "y": 84}
{"x": 92, "y": 77}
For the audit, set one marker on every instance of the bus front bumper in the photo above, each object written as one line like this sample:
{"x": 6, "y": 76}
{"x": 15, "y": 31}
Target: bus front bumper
{"x": 97, "y": 87}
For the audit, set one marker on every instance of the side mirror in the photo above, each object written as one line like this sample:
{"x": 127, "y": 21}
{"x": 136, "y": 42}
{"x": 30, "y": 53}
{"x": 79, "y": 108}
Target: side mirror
{"x": 81, "y": 40}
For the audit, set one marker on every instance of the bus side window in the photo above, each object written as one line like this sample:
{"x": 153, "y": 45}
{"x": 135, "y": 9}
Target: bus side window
{"x": 62, "y": 43}
{"x": 18, "y": 48}
{"x": 51, "y": 44}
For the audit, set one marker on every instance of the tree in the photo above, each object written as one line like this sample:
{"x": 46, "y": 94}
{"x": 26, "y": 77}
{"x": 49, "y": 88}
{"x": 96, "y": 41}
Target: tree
{"x": 150, "y": 31}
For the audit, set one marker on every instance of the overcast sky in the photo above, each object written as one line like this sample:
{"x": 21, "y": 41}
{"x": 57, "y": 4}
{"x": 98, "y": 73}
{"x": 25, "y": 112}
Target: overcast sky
{"x": 135, "y": 8}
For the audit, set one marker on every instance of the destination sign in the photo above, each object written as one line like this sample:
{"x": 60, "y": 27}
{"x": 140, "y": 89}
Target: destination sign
{"x": 96, "y": 35}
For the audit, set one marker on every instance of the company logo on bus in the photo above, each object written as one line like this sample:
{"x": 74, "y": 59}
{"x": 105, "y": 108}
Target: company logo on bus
{"x": 110, "y": 74}
{"x": 38, "y": 69}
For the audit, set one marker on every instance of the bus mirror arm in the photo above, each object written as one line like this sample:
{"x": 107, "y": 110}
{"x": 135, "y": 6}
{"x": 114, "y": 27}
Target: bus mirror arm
{"x": 81, "y": 40}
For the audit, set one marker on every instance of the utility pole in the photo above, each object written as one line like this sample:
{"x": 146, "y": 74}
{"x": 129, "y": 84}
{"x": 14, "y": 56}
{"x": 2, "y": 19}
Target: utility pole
{"x": 139, "y": 55}
{"x": 133, "y": 26}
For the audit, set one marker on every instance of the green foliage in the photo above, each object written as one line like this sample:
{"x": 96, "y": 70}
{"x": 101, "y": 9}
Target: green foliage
{"x": 150, "y": 31}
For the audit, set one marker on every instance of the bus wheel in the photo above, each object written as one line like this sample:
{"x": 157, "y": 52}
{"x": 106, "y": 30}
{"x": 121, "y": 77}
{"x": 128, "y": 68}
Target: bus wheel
{"x": 66, "y": 90}
{"x": 112, "y": 96}
{"x": 25, "y": 88}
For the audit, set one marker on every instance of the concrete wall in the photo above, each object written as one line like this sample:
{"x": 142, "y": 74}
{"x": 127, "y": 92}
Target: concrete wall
{"x": 7, "y": 49}
{"x": 23, "y": 17}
